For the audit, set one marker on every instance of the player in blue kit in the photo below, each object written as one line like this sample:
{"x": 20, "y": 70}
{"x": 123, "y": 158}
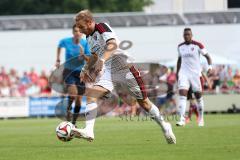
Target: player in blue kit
{"x": 76, "y": 51}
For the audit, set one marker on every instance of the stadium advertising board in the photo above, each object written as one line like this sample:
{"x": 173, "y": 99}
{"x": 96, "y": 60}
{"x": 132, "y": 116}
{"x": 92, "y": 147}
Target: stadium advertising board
{"x": 14, "y": 107}
{"x": 43, "y": 106}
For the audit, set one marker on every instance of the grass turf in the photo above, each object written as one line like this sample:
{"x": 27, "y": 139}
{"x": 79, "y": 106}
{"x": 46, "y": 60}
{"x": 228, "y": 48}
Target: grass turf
{"x": 25, "y": 139}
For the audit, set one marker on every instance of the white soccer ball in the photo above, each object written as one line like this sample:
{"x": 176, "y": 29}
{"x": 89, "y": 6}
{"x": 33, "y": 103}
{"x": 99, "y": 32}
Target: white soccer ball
{"x": 64, "y": 131}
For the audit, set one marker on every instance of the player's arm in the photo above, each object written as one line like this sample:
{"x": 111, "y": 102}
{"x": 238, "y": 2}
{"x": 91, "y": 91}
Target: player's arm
{"x": 58, "y": 60}
{"x": 207, "y": 80}
{"x": 59, "y": 50}
{"x": 209, "y": 60}
{"x": 179, "y": 62}
{"x": 110, "y": 38}
{"x": 204, "y": 52}
{"x": 84, "y": 54}
{"x": 110, "y": 48}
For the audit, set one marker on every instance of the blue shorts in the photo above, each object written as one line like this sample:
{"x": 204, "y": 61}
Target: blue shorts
{"x": 161, "y": 100}
{"x": 71, "y": 77}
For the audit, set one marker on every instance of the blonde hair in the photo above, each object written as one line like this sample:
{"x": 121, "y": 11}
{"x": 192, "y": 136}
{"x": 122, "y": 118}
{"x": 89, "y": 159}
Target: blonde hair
{"x": 84, "y": 15}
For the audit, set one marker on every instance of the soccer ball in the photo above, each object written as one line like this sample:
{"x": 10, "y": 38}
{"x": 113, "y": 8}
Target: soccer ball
{"x": 64, "y": 131}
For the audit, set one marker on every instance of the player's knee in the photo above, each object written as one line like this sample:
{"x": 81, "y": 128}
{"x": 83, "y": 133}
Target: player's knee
{"x": 72, "y": 90}
{"x": 145, "y": 103}
{"x": 198, "y": 95}
{"x": 77, "y": 102}
{"x": 183, "y": 92}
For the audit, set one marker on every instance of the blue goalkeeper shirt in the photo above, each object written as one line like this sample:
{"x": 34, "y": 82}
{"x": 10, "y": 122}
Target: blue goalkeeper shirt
{"x": 72, "y": 52}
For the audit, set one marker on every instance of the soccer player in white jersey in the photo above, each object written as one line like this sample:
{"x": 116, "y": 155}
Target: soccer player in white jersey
{"x": 189, "y": 73}
{"x": 114, "y": 69}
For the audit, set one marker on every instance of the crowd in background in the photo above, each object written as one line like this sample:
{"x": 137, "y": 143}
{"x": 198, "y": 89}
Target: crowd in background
{"x": 13, "y": 84}
{"x": 224, "y": 79}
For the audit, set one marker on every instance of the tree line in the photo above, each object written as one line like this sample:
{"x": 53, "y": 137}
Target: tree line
{"x": 26, "y": 7}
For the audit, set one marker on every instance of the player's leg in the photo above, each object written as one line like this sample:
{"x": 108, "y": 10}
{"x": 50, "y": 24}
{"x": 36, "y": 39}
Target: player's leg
{"x": 200, "y": 105}
{"x": 197, "y": 88}
{"x": 134, "y": 108}
{"x": 183, "y": 86}
{"x": 191, "y": 100}
{"x": 77, "y": 108}
{"x": 72, "y": 92}
{"x": 137, "y": 89}
{"x": 79, "y": 89}
{"x": 193, "y": 109}
{"x": 92, "y": 94}
{"x": 90, "y": 116}
{"x": 154, "y": 112}
{"x": 182, "y": 104}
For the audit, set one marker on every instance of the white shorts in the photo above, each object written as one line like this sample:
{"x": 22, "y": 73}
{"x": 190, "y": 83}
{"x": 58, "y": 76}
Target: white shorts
{"x": 129, "y": 77}
{"x": 185, "y": 81}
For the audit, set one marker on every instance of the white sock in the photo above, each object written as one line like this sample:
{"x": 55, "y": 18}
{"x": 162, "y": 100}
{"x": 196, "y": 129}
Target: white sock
{"x": 91, "y": 114}
{"x": 156, "y": 115}
{"x": 200, "y": 107}
{"x": 182, "y": 107}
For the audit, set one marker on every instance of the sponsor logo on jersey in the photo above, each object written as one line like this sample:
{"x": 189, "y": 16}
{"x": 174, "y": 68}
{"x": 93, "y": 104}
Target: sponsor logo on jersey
{"x": 187, "y": 55}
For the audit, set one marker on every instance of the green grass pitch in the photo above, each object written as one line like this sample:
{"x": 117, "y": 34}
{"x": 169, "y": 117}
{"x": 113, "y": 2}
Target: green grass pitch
{"x": 35, "y": 139}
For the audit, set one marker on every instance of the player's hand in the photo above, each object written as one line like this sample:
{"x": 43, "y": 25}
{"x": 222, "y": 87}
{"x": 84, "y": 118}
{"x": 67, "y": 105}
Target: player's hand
{"x": 86, "y": 76}
{"x": 57, "y": 64}
{"x": 83, "y": 57}
{"x": 83, "y": 77}
{"x": 99, "y": 65}
{"x": 209, "y": 72}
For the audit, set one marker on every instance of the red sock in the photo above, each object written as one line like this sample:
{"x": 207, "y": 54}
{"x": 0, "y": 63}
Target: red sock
{"x": 190, "y": 111}
{"x": 195, "y": 110}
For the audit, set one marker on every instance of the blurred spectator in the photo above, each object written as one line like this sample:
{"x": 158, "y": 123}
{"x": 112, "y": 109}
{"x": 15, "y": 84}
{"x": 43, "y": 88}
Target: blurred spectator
{"x": 43, "y": 84}
{"x": 13, "y": 77}
{"x": 237, "y": 87}
{"x": 25, "y": 79}
{"x": 4, "y": 89}
{"x": 236, "y": 77}
{"x": 3, "y": 75}
{"x": 33, "y": 76}
{"x": 225, "y": 87}
{"x": 14, "y": 90}
{"x": 221, "y": 72}
{"x": 171, "y": 78}
{"x": 215, "y": 79}
{"x": 32, "y": 89}
{"x": 229, "y": 74}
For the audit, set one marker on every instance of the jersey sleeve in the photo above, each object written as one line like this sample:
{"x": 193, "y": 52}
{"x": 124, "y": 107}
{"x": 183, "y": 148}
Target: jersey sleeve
{"x": 202, "y": 49}
{"x": 61, "y": 44}
{"x": 106, "y": 31}
{"x": 179, "y": 54}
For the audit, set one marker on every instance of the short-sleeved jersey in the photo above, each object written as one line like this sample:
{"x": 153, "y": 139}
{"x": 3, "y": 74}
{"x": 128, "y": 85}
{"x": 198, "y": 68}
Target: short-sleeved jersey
{"x": 190, "y": 57}
{"x": 72, "y": 51}
{"x": 98, "y": 39}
